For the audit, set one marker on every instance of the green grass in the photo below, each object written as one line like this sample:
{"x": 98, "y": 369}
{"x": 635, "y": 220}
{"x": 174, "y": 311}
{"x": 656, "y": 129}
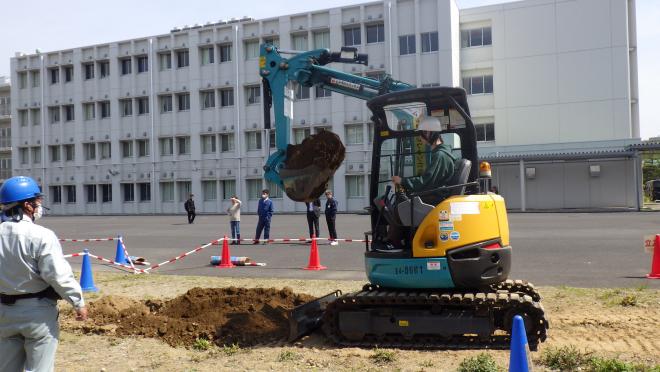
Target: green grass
{"x": 230, "y": 350}
{"x": 382, "y": 356}
{"x": 287, "y": 355}
{"x": 480, "y": 363}
{"x": 202, "y": 344}
{"x": 569, "y": 358}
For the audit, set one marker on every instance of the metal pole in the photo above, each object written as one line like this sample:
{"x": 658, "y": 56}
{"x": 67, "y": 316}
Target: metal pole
{"x": 523, "y": 191}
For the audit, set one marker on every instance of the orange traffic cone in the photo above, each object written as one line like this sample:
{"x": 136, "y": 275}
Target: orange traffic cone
{"x": 314, "y": 260}
{"x": 655, "y": 263}
{"x": 225, "y": 262}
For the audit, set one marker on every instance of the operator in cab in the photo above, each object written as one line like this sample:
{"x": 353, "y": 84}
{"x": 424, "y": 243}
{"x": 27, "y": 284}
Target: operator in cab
{"x": 440, "y": 167}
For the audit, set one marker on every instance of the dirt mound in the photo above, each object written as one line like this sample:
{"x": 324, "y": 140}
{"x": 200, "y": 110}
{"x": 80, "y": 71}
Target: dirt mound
{"x": 222, "y": 315}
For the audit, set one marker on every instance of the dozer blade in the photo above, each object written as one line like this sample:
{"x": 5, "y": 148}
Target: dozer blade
{"x": 305, "y": 318}
{"x": 310, "y": 165}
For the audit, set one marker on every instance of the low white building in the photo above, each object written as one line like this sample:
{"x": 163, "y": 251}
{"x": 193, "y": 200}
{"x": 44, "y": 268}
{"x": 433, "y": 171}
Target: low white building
{"x": 5, "y": 129}
{"x": 134, "y": 126}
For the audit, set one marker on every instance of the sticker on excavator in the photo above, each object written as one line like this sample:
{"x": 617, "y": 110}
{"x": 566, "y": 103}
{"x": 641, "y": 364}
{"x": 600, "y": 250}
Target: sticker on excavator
{"x": 465, "y": 208}
{"x": 288, "y": 101}
{"x": 403, "y": 323}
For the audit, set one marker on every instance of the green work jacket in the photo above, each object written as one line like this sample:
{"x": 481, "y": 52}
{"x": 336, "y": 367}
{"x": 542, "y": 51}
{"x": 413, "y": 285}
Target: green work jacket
{"x": 439, "y": 171}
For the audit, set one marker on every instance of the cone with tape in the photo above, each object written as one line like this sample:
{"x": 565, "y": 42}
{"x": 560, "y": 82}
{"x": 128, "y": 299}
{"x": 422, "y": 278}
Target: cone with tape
{"x": 120, "y": 256}
{"x": 520, "y": 359}
{"x": 314, "y": 259}
{"x": 225, "y": 261}
{"x": 655, "y": 261}
{"x": 86, "y": 277}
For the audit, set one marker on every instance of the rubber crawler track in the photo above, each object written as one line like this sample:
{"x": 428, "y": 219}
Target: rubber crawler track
{"x": 504, "y": 299}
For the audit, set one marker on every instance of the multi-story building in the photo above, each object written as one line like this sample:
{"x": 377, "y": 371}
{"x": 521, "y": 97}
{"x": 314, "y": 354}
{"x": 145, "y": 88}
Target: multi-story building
{"x": 134, "y": 126}
{"x": 5, "y": 129}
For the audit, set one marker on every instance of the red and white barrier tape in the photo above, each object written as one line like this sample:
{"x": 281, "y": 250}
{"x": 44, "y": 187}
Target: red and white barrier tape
{"x": 74, "y": 255}
{"x": 123, "y": 246}
{"x": 116, "y": 263}
{"x": 181, "y": 256}
{"x": 88, "y": 240}
{"x": 287, "y": 240}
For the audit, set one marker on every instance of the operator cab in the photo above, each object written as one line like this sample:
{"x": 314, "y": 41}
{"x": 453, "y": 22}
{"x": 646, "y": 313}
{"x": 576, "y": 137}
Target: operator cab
{"x": 398, "y": 150}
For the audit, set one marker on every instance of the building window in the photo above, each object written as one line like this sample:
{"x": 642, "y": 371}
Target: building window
{"x": 321, "y": 92}
{"x": 165, "y": 61}
{"x": 126, "y": 149}
{"x": 253, "y": 188}
{"x": 476, "y": 37}
{"x": 143, "y": 105}
{"x": 429, "y": 42}
{"x": 208, "y": 55}
{"x": 375, "y": 33}
{"x": 252, "y": 49}
{"x": 166, "y": 146}
{"x": 54, "y": 153}
{"x": 225, "y": 52}
{"x": 36, "y": 78}
{"x": 228, "y": 189}
{"x": 321, "y": 39}
{"x": 68, "y": 74}
{"x": 253, "y": 140}
{"x": 227, "y": 142}
{"x": 22, "y": 80}
{"x": 352, "y": 36}
{"x": 183, "y": 145}
{"x": 167, "y": 191}
{"x": 126, "y": 107}
{"x": 299, "y": 134}
{"x": 253, "y": 95}
{"x": 370, "y": 132}
{"x": 183, "y": 101}
{"x": 275, "y": 190}
{"x": 145, "y": 191}
{"x": 272, "y": 41}
{"x": 208, "y": 144}
{"x": 478, "y": 84}
{"x": 184, "y": 189}
{"x": 227, "y": 97}
{"x": 35, "y": 114}
{"x": 105, "y": 109}
{"x": 271, "y": 139}
{"x": 56, "y": 194}
{"x": 23, "y": 117}
{"x": 90, "y": 193}
{"x": 182, "y": 58}
{"x": 129, "y": 192}
{"x": 105, "y": 150}
{"x": 208, "y": 99}
{"x": 54, "y": 113}
{"x": 143, "y": 64}
{"x": 485, "y": 132}
{"x": 299, "y": 41}
{"x": 407, "y": 45}
{"x": 165, "y": 103}
{"x": 23, "y": 153}
{"x": 69, "y": 152}
{"x": 36, "y": 155}
{"x": 354, "y": 134}
{"x": 355, "y": 186}
{"x": 106, "y": 193}
{"x": 70, "y": 191}
{"x": 89, "y": 150}
{"x": 376, "y": 75}
{"x": 209, "y": 190}
{"x": 54, "y": 75}
{"x": 104, "y": 69}
{"x": 69, "y": 113}
{"x": 302, "y": 92}
{"x": 125, "y": 65}
{"x": 142, "y": 147}
{"x": 90, "y": 111}
{"x": 89, "y": 70}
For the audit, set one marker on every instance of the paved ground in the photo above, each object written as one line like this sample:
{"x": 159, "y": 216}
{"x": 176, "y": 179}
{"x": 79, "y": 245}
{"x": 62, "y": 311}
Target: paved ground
{"x": 574, "y": 249}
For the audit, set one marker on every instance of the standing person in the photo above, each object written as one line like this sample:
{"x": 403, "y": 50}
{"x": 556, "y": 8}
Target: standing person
{"x": 313, "y": 214}
{"x": 234, "y": 212}
{"x": 189, "y": 206}
{"x": 265, "y": 212}
{"x": 330, "y": 215}
{"x": 33, "y": 276}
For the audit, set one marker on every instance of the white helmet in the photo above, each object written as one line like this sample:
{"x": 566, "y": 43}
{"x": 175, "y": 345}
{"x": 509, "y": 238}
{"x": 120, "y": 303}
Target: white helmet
{"x": 430, "y": 124}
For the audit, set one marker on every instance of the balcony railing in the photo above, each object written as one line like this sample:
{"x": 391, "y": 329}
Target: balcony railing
{"x": 5, "y": 143}
{"x": 5, "y": 173}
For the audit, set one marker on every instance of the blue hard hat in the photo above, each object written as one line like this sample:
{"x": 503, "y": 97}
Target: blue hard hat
{"x": 17, "y": 189}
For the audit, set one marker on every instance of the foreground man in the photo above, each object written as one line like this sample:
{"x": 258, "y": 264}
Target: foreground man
{"x": 33, "y": 276}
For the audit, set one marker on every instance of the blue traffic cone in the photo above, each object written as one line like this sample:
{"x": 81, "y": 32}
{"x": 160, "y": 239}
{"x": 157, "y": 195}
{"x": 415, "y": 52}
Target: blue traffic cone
{"x": 120, "y": 256}
{"x": 86, "y": 277}
{"x": 520, "y": 360}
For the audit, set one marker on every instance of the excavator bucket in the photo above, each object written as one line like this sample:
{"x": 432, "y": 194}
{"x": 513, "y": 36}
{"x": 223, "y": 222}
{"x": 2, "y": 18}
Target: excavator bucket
{"x": 310, "y": 165}
{"x": 306, "y": 318}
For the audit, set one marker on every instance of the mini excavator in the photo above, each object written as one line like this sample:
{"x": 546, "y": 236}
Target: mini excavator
{"x": 442, "y": 280}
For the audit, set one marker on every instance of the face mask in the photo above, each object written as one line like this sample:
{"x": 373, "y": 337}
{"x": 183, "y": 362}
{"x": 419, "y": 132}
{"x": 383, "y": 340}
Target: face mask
{"x": 38, "y": 213}
{"x": 264, "y": 196}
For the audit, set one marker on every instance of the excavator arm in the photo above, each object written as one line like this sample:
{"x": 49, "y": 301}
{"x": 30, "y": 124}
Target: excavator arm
{"x": 303, "y": 170}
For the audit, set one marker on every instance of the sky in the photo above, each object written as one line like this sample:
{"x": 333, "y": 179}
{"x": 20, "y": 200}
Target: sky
{"x": 53, "y": 25}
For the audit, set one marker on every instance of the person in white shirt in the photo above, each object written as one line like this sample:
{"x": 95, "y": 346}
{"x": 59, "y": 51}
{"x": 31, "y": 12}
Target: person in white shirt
{"x": 33, "y": 276}
{"x": 234, "y": 212}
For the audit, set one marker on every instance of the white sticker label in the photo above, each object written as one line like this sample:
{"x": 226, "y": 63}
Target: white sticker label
{"x": 433, "y": 266}
{"x": 456, "y": 217}
{"x": 464, "y": 208}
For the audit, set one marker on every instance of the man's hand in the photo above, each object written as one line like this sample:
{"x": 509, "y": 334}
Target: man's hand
{"x": 396, "y": 180}
{"x": 81, "y": 314}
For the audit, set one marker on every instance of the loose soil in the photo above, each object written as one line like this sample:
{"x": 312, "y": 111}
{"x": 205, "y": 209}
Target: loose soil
{"x": 245, "y": 316}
